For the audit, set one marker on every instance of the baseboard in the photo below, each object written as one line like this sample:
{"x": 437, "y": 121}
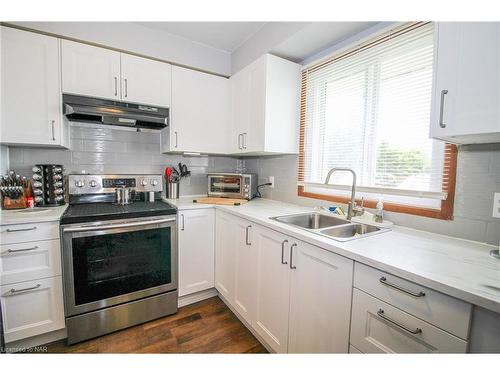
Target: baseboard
{"x": 35, "y": 344}
{"x": 248, "y": 326}
{"x": 197, "y": 297}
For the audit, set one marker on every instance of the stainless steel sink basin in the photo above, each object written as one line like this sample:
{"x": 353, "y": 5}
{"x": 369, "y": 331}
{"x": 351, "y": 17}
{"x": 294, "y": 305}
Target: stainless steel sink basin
{"x": 311, "y": 220}
{"x": 348, "y": 231}
{"x": 329, "y": 226}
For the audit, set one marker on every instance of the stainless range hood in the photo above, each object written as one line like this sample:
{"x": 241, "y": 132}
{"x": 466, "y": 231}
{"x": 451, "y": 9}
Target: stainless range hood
{"x": 101, "y": 111}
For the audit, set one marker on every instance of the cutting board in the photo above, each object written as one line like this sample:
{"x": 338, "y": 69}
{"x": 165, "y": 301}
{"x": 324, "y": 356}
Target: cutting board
{"x": 215, "y": 200}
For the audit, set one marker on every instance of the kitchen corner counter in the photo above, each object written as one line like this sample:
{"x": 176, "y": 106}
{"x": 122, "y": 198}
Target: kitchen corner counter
{"x": 31, "y": 215}
{"x": 186, "y": 202}
{"x": 460, "y": 268}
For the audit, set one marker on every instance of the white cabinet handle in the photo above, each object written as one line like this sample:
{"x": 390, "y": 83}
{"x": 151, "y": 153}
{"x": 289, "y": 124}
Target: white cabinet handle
{"x": 441, "y": 109}
{"x": 239, "y": 141}
{"x": 116, "y": 86}
{"x": 126, "y": 87}
{"x": 182, "y": 221}
{"x": 176, "y": 143}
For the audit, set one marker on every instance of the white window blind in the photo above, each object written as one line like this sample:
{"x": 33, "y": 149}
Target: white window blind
{"x": 369, "y": 110}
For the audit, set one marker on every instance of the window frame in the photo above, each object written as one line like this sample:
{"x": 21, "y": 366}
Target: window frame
{"x": 445, "y": 212}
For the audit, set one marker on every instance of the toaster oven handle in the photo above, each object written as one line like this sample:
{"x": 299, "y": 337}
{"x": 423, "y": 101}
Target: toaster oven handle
{"x": 115, "y": 226}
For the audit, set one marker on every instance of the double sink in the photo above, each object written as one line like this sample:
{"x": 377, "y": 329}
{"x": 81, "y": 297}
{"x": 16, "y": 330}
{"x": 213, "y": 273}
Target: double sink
{"x": 332, "y": 227}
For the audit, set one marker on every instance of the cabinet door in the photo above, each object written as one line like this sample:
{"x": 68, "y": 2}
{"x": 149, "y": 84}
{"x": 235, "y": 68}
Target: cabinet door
{"x": 90, "y": 71}
{"x": 239, "y": 109}
{"x": 245, "y": 277}
{"x": 320, "y": 300}
{"x": 196, "y": 250}
{"x": 145, "y": 81}
{"x": 31, "y": 92}
{"x": 225, "y": 248}
{"x": 466, "y": 94}
{"x": 272, "y": 287}
{"x": 200, "y": 111}
{"x": 32, "y": 308}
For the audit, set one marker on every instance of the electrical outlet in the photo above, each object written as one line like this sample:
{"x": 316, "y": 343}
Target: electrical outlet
{"x": 271, "y": 180}
{"x": 496, "y": 205}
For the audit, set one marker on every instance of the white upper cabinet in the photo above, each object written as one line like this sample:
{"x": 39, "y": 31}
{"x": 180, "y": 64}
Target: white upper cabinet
{"x": 103, "y": 73}
{"x": 466, "y": 91}
{"x": 30, "y": 89}
{"x": 90, "y": 71}
{"x": 265, "y": 107}
{"x": 200, "y": 115}
{"x": 145, "y": 81}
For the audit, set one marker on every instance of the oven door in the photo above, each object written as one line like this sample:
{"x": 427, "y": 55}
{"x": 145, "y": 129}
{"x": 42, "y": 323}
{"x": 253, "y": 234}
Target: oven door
{"x": 117, "y": 261}
{"x": 228, "y": 186}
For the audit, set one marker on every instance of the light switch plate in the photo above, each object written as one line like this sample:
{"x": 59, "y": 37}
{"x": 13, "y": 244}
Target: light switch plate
{"x": 496, "y": 205}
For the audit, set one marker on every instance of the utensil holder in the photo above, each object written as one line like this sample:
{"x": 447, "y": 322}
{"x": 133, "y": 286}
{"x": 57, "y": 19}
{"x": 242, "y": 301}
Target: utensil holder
{"x": 172, "y": 190}
{"x": 13, "y": 204}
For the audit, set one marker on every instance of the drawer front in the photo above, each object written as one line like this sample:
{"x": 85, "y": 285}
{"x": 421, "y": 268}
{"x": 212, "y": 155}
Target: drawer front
{"x": 29, "y": 232}
{"x": 32, "y": 308}
{"x": 377, "y": 327}
{"x": 29, "y": 261}
{"x": 443, "y": 311}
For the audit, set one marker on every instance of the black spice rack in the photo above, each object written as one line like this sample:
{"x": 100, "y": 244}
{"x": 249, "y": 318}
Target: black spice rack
{"x": 48, "y": 185}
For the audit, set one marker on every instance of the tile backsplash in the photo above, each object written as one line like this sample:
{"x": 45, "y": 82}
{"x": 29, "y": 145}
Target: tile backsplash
{"x": 478, "y": 177}
{"x": 103, "y": 149}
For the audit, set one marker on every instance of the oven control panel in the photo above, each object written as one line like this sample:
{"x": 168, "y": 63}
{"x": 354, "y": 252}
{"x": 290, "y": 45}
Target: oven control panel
{"x": 79, "y": 184}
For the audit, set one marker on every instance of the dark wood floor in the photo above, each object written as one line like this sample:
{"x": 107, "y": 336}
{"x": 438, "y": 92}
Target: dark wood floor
{"x": 204, "y": 327}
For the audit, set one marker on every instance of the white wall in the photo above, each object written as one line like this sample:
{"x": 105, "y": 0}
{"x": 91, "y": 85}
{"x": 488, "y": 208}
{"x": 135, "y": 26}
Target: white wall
{"x": 143, "y": 40}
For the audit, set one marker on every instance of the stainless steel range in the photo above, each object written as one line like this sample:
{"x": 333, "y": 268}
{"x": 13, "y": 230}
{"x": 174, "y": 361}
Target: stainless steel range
{"x": 119, "y": 260}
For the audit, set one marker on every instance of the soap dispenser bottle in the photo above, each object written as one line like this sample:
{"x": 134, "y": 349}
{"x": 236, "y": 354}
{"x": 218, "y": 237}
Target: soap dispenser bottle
{"x": 379, "y": 211}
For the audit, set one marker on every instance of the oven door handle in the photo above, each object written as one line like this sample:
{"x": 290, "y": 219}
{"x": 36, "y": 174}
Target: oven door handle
{"x": 115, "y": 226}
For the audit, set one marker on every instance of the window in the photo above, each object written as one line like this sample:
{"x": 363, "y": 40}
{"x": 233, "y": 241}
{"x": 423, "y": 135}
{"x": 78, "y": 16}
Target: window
{"x": 369, "y": 110}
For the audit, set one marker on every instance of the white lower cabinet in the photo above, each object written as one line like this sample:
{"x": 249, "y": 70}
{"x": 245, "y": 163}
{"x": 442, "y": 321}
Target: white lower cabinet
{"x": 272, "y": 287}
{"x": 378, "y": 327}
{"x": 225, "y": 255}
{"x": 31, "y": 308}
{"x": 320, "y": 300}
{"x": 244, "y": 266}
{"x": 196, "y": 250}
{"x": 296, "y": 297}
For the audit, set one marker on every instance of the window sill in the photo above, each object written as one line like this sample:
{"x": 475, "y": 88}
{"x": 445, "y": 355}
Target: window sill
{"x": 445, "y": 213}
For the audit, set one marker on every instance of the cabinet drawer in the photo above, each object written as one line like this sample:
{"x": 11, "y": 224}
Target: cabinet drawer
{"x": 32, "y": 308}
{"x": 443, "y": 311}
{"x": 29, "y": 261}
{"x": 29, "y": 232}
{"x": 377, "y": 327}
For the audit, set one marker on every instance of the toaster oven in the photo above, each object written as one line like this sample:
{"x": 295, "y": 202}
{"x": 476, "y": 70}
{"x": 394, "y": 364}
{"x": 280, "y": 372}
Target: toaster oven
{"x": 232, "y": 185}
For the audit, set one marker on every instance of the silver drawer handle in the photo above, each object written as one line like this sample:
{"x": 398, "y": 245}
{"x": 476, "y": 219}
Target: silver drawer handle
{"x": 415, "y": 331}
{"x": 10, "y": 251}
{"x": 20, "y": 230}
{"x": 13, "y": 291}
{"x": 283, "y": 252}
{"x": 384, "y": 281}
{"x": 115, "y": 226}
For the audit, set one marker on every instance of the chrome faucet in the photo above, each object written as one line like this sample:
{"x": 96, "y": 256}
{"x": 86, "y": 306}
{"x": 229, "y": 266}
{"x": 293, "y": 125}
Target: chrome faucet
{"x": 352, "y": 210}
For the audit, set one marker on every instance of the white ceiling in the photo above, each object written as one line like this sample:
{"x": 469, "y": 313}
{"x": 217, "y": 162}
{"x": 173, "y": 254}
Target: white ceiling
{"x": 226, "y": 36}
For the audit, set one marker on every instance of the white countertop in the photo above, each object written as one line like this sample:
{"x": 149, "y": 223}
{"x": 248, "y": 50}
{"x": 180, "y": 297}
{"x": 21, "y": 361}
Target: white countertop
{"x": 31, "y": 215}
{"x": 459, "y": 268}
